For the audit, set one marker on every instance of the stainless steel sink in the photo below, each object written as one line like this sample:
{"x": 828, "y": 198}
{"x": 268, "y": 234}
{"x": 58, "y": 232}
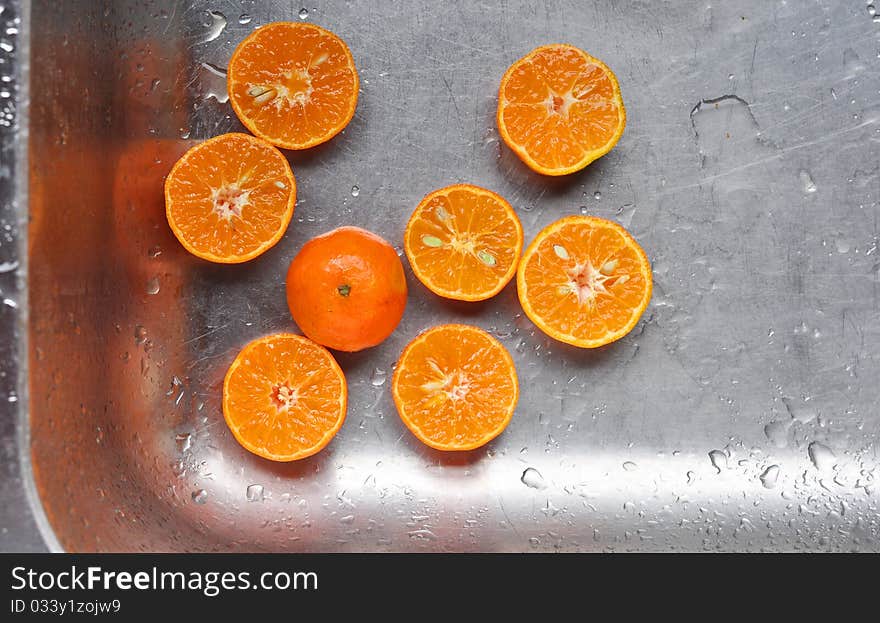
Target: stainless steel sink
{"x": 741, "y": 413}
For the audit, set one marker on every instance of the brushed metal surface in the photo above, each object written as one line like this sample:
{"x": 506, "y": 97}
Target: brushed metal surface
{"x": 740, "y": 414}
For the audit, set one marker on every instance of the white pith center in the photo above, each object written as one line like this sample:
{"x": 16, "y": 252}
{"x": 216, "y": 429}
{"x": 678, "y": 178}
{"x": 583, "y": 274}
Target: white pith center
{"x": 588, "y": 282}
{"x": 230, "y": 200}
{"x": 295, "y": 89}
{"x": 559, "y": 103}
{"x": 460, "y": 242}
{"x": 284, "y": 397}
{"x": 455, "y": 386}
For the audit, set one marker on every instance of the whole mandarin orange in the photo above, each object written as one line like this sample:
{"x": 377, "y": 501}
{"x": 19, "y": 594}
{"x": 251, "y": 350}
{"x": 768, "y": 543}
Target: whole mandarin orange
{"x": 346, "y": 289}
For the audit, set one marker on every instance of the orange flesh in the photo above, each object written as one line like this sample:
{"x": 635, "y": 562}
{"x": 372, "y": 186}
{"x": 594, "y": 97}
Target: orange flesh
{"x": 464, "y": 242}
{"x": 584, "y": 281}
{"x": 293, "y": 84}
{"x": 559, "y": 109}
{"x": 455, "y": 387}
{"x": 230, "y": 198}
{"x": 284, "y": 397}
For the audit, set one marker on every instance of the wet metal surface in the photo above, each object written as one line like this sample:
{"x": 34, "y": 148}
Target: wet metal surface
{"x": 740, "y": 414}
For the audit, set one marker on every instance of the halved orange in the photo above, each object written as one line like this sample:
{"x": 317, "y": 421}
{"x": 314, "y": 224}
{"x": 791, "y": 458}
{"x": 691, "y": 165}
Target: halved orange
{"x": 455, "y": 387}
{"x": 230, "y": 198}
{"x": 293, "y": 84}
{"x": 559, "y": 109}
{"x": 284, "y": 397}
{"x": 584, "y": 281}
{"x": 463, "y": 242}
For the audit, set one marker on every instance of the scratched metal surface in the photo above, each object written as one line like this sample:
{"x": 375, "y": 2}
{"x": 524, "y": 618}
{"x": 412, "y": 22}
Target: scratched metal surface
{"x": 740, "y": 414}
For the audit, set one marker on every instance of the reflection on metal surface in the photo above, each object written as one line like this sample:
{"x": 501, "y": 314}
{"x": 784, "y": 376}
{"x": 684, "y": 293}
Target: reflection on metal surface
{"x": 740, "y": 414}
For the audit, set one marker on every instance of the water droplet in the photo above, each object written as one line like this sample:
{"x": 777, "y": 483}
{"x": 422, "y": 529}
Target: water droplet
{"x": 216, "y": 24}
{"x": 597, "y": 195}
{"x": 244, "y": 18}
{"x": 255, "y": 493}
{"x": 625, "y": 214}
{"x": 777, "y": 432}
{"x": 502, "y": 333}
{"x": 179, "y": 469}
{"x": 872, "y": 10}
{"x": 770, "y": 476}
{"x": 355, "y": 191}
{"x": 585, "y": 210}
{"x": 533, "y": 479}
{"x": 842, "y": 246}
{"x": 822, "y": 456}
{"x": 690, "y": 477}
{"x": 807, "y": 182}
{"x": 12, "y": 398}
{"x": 730, "y": 76}
{"x": 719, "y": 459}
{"x": 153, "y": 286}
{"x": 348, "y": 519}
{"x": 833, "y": 94}
{"x": 549, "y": 509}
{"x": 213, "y": 80}
{"x": 420, "y": 535}
{"x": 8, "y": 267}
{"x": 140, "y": 334}
{"x": 629, "y": 466}
{"x": 155, "y": 84}
{"x": 200, "y": 496}
{"x": 155, "y": 251}
{"x": 184, "y": 441}
{"x": 304, "y": 13}
{"x": 10, "y": 303}
{"x": 377, "y": 378}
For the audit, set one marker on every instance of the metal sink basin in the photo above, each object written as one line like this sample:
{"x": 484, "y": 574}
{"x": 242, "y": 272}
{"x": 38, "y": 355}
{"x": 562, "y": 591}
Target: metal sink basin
{"x": 740, "y": 414}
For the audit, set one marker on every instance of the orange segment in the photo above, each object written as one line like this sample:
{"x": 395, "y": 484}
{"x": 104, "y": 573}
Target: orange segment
{"x": 583, "y": 280}
{"x": 293, "y": 84}
{"x": 559, "y": 109}
{"x": 463, "y": 242}
{"x": 455, "y": 387}
{"x": 284, "y": 397}
{"x": 230, "y": 198}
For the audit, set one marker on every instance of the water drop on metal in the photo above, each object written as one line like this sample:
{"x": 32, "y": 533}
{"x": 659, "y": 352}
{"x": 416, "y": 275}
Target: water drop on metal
{"x": 216, "y": 26}
{"x": 769, "y": 477}
{"x": 533, "y": 479}
{"x": 807, "y": 182}
{"x": 377, "y": 378}
{"x": 718, "y": 459}
{"x": 255, "y": 493}
{"x": 153, "y": 286}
